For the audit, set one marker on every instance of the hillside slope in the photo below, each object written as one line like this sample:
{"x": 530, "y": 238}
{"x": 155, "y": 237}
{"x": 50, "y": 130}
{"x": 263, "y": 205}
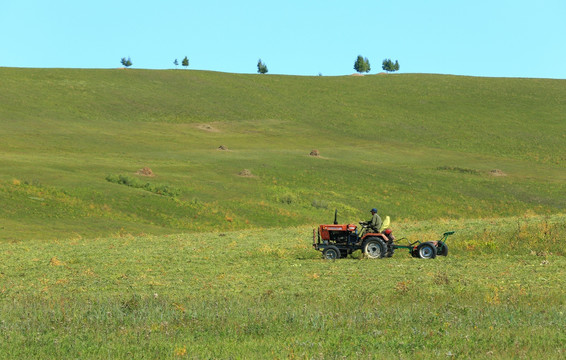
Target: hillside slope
{"x": 416, "y": 146}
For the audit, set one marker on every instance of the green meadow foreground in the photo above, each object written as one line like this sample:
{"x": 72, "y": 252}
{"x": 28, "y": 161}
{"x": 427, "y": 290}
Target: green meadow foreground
{"x": 169, "y": 214}
{"x": 266, "y": 294}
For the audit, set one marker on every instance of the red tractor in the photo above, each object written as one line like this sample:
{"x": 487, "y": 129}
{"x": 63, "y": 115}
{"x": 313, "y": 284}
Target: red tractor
{"x": 339, "y": 240}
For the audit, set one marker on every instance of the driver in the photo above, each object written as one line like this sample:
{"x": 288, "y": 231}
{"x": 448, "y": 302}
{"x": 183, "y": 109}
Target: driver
{"x": 375, "y": 223}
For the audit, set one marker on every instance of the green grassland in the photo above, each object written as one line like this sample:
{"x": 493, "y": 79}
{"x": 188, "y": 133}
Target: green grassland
{"x": 199, "y": 261}
{"x": 263, "y": 294}
{"x": 415, "y": 146}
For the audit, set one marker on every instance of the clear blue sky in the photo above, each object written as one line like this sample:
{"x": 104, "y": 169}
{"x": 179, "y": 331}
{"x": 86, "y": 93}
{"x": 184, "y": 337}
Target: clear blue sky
{"x": 501, "y": 38}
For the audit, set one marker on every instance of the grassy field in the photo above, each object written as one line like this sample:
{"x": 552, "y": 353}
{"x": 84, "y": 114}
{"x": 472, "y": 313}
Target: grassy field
{"x": 415, "y": 146}
{"x": 267, "y": 294}
{"x": 211, "y": 258}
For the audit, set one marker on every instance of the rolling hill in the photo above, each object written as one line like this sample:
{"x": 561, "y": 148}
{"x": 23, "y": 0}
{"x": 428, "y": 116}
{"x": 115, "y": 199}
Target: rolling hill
{"x": 167, "y": 214}
{"x": 418, "y": 147}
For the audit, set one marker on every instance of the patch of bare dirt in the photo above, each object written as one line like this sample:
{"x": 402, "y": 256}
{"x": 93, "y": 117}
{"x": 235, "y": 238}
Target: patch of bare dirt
{"x": 56, "y": 262}
{"x": 145, "y": 172}
{"x": 497, "y": 172}
{"x": 207, "y": 127}
{"x": 246, "y": 173}
{"x": 222, "y": 147}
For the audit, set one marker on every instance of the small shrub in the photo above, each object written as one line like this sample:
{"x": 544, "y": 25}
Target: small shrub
{"x": 458, "y": 170}
{"x": 159, "y": 189}
{"x": 131, "y": 304}
{"x": 287, "y": 198}
{"x": 319, "y": 204}
{"x": 403, "y": 287}
{"x": 128, "y": 181}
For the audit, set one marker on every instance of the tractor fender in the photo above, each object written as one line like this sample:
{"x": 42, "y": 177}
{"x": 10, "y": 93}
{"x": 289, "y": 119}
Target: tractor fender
{"x": 379, "y": 235}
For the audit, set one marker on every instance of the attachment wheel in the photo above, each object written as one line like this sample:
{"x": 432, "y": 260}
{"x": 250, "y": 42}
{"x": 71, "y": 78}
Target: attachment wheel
{"x": 426, "y": 250}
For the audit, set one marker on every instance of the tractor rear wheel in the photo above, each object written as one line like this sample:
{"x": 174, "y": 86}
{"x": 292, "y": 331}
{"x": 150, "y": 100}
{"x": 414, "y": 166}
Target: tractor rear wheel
{"x": 374, "y": 248}
{"x": 426, "y": 250}
{"x": 331, "y": 253}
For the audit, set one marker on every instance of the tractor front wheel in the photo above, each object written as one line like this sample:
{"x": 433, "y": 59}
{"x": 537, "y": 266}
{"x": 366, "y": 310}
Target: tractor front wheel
{"x": 331, "y": 253}
{"x": 374, "y": 248}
